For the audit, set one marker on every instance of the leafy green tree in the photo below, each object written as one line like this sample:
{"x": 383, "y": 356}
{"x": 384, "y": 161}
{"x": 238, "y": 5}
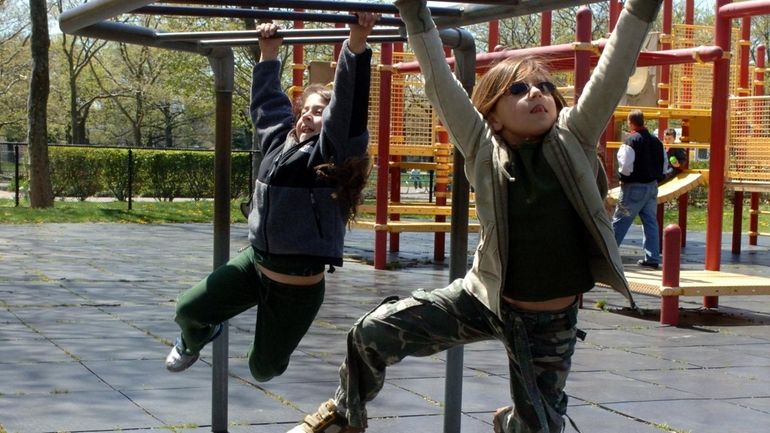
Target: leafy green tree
{"x": 15, "y": 65}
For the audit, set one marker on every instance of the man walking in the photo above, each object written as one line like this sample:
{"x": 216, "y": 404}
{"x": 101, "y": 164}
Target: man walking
{"x": 641, "y": 163}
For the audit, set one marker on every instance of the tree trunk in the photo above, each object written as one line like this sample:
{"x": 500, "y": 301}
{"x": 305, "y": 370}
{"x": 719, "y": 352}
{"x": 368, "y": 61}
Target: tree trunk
{"x": 40, "y": 192}
{"x": 77, "y": 136}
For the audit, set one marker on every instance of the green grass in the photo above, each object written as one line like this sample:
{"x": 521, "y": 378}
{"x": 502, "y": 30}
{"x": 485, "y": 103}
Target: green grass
{"x": 116, "y": 212}
{"x": 203, "y": 212}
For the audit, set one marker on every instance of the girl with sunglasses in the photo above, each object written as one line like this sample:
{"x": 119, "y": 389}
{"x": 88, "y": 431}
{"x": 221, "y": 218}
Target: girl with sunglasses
{"x": 545, "y": 239}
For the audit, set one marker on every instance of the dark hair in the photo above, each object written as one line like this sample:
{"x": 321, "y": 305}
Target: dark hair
{"x": 495, "y": 82}
{"x": 636, "y": 118}
{"x": 351, "y": 177}
{"x": 671, "y": 132}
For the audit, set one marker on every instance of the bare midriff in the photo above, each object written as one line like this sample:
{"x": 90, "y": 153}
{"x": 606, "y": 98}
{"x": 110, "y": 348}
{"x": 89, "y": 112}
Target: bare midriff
{"x": 294, "y": 280}
{"x": 556, "y": 304}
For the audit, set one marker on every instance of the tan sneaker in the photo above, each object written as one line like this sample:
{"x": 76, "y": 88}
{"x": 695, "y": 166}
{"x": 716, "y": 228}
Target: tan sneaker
{"x": 326, "y": 420}
{"x": 499, "y": 421}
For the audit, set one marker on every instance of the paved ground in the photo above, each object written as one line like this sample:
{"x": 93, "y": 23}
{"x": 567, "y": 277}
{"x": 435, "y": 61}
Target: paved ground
{"x": 86, "y": 320}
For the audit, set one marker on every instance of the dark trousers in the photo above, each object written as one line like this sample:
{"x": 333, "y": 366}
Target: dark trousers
{"x": 284, "y": 312}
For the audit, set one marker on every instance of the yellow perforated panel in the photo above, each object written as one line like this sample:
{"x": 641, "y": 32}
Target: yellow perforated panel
{"x": 748, "y": 145}
{"x": 692, "y": 83}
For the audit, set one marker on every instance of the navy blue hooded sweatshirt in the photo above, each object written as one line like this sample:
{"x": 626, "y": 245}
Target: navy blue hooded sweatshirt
{"x": 295, "y": 212}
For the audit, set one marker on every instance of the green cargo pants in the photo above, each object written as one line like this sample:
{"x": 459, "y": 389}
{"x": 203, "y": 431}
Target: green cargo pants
{"x": 284, "y": 312}
{"x": 539, "y": 347}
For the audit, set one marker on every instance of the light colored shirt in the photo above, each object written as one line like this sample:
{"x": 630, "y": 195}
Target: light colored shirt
{"x": 626, "y": 157}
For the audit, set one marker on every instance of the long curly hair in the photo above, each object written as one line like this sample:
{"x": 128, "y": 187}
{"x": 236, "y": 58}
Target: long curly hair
{"x": 351, "y": 177}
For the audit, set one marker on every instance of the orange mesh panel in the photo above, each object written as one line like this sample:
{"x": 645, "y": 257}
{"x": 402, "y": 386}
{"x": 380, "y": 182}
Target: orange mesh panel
{"x": 412, "y": 117}
{"x": 692, "y": 83}
{"x": 748, "y": 145}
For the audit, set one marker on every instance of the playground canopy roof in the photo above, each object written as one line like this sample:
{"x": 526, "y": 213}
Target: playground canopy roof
{"x": 109, "y": 19}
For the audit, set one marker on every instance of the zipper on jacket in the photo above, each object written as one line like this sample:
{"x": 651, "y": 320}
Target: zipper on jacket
{"x": 266, "y": 213}
{"x": 314, "y": 204}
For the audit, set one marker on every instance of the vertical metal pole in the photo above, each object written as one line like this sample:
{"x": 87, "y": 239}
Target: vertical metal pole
{"x": 130, "y": 178}
{"x": 16, "y": 171}
{"x": 465, "y": 69}
{"x": 453, "y": 388}
{"x": 222, "y": 64}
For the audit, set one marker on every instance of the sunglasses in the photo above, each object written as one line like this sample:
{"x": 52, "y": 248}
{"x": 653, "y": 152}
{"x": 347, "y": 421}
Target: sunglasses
{"x": 520, "y": 88}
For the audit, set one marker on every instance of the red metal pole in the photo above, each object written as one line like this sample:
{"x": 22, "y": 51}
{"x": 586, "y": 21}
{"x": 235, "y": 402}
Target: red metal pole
{"x": 562, "y": 56}
{"x": 546, "y": 23}
{"x": 615, "y": 7}
{"x": 582, "y": 50}
{"x": 298, "y": 68}
{"x": 744, "y": 9}
{"x": 669, "y": 305}
{"x": 759, "y": 89}
{"x": 338, "y": 47}
{"x": 395, "y": 172}
{"x": 743, "y": 90}
{"x": 383, "y": 151}
{"x": 493, "y": 40}
{"x": 717, "y": 151}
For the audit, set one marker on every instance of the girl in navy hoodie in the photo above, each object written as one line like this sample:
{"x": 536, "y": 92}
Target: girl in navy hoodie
{"x": 310, "y": 180}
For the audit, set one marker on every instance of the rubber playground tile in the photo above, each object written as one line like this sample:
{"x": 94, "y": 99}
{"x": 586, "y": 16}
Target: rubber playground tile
{"x": 246, "y": 404}
{"x": 603, "y": 387}
{"x": 721, "y": 384}
{"x": 590, "y": 418}
{"x": 74, "y": 411}
{"x": 711, "y": 357}
{"x": 125, "y": 375}
{"x": 106, "y": 347}
{"x": 35, "y": 350}
{"x": 697, "y": 415}
{"x": 490, "y": 392}
{"x": 45, "y": 379}
{"x": 588, "y": 358}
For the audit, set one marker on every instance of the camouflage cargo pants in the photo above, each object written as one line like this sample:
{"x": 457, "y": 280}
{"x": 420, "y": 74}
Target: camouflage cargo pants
{"x": 539, "y": 347}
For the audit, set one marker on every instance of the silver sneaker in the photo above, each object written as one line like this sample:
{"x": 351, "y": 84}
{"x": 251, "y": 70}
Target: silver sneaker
{"x": 177, "y": 360}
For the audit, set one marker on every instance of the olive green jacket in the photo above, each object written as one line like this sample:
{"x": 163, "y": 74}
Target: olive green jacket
{"x": 569, "y": 147}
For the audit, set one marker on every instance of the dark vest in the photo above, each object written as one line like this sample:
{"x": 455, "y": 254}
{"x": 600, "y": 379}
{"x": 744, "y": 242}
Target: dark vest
{"x": 648, "y": 160}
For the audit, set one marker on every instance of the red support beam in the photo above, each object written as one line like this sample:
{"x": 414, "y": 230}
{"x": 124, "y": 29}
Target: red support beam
{"x": 383, "y": 153}
{"x": 759, "y": 89}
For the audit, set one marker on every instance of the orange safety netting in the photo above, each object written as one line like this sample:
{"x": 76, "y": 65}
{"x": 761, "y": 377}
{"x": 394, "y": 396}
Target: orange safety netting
{"x": 692, "y": 83}
{"x": 748, "y": 145}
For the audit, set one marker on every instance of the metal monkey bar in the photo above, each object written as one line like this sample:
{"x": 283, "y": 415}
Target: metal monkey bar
{"x": 107, "y": 19}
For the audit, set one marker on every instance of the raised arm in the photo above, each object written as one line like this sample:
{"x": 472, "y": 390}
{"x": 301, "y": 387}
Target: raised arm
{"x": 608, "y": 82}
{"x": 463, "y": 122}
{"x": 344, "y": 132}
{"x": 271, "y": 110}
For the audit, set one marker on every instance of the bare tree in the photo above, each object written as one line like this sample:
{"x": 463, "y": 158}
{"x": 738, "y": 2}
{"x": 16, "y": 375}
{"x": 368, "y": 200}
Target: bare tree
{"x": 78, "y": 52}
{"x": 40, "y": 192}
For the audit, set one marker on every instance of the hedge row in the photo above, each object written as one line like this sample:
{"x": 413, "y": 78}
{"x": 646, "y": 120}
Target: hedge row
{"x": 84, "y": 172}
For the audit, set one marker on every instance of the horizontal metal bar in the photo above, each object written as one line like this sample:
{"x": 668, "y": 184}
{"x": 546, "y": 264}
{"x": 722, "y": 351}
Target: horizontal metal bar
{"x": 285, "y": 33}
{"x": 481, "y": 13}
{"x": 258, "y": 14}
{"x": 294, "y": 41}
{"x": 320, "y": 5}
{"x": 138, "y": 35}
{"x": 96, "y": 11}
